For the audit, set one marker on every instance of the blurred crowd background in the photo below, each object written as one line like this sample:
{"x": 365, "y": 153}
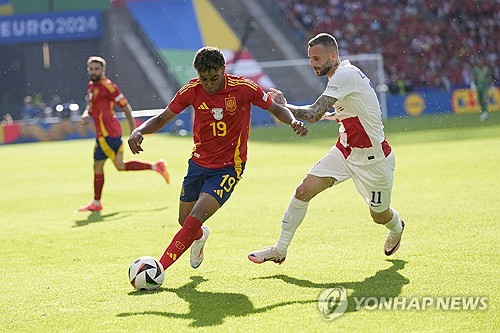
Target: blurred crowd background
{"x": 149, "y": 44}
{"x": 424, "y": 43}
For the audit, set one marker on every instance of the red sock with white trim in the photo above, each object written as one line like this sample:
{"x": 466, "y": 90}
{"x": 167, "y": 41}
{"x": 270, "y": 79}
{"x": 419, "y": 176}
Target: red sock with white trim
{"x": 190, "y": 231}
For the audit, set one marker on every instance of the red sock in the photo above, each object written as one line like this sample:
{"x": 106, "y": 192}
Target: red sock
{"x": 98, "y": 184}
{"x": 137, "y": 165}
{"x": 182, "y": 241}
{"x": 199, "y": 234}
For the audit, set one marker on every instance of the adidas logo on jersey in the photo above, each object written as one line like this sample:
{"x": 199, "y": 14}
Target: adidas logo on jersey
{"x": 203, "y": 106}
{"x": 220, "y": 193}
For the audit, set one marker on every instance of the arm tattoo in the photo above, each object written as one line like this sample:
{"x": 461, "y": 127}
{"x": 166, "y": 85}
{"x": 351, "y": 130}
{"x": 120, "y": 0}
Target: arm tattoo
{"x": 315, "y": 111}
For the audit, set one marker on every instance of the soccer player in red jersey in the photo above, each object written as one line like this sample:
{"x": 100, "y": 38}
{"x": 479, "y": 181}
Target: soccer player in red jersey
{"x": 102, "y": 94}
{"x": 222, "y": 105}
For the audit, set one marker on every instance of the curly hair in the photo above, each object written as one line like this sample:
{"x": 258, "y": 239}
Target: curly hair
{"x": 208, "y": 58}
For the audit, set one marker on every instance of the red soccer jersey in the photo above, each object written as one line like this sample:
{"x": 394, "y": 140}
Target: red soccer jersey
{"x": 102, "y": 97}
{"x": 222, "y": 120}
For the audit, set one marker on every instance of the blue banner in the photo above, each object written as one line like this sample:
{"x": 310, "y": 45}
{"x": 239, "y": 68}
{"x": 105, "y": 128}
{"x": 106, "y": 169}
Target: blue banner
{"x": 433, "y": 101}
{"x": 50, "y": 27}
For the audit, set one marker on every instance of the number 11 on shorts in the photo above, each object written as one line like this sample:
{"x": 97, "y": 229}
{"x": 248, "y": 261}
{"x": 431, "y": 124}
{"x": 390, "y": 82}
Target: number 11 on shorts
{"x": 376, "y": 199}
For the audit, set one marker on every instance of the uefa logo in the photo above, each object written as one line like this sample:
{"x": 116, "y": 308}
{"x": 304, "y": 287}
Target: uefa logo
{"x": 332, "y": 302}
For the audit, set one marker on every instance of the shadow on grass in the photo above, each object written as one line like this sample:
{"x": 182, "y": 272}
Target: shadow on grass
{"x": 385, "y": 283}
{"x": 209, "y": 308}
{"x": 94, "y": 217}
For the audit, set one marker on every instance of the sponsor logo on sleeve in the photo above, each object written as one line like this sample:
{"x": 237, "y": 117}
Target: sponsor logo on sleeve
{"x": 332, "y": 87}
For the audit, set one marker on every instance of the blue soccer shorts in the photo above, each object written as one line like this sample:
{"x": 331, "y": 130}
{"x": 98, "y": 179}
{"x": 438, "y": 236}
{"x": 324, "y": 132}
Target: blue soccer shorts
{"x": 107, "y": 147}
{"x": 219, "y": 183}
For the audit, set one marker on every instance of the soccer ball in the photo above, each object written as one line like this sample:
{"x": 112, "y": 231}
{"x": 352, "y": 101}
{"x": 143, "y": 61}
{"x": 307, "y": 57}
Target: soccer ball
{"x": 146, "y": 273}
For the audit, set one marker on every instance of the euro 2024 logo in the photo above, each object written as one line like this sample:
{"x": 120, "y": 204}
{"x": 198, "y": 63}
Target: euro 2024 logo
{"x": 332, "y": 302}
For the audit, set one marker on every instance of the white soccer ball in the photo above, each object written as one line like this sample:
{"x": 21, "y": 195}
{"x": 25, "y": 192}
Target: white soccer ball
{"x": 146, "y": 273}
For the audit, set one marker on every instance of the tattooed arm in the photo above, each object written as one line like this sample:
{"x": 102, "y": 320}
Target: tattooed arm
{"x": 314, "y": 112}
{"x": 311, "y": 113}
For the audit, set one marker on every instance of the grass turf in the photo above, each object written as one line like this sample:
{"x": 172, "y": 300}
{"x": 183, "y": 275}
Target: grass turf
{"x": 67, "y": 271}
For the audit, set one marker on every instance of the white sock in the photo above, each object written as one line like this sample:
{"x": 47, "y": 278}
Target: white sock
{"x": 293, "y": 217}
{"x": 394, "y": 225}
{"x": 97, "y": 202}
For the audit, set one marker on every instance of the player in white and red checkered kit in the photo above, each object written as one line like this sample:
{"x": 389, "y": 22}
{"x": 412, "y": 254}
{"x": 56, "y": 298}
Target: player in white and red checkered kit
{"x": 361, "y": 152}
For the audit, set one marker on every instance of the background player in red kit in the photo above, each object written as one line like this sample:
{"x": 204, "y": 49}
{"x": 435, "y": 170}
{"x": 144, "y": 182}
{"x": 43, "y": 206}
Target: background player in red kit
{"x": 222, "y": 104}
{"x": 102, "y": 94}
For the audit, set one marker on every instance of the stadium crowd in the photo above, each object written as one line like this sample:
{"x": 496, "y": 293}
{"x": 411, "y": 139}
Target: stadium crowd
{"x": 35, "y": 110}
{"x": 425, "y": 43}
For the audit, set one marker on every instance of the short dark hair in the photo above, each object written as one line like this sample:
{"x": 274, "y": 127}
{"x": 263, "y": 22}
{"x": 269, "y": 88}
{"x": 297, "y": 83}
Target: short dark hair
{"x": 324, "y": 39}
{"x": 208, "y": 58}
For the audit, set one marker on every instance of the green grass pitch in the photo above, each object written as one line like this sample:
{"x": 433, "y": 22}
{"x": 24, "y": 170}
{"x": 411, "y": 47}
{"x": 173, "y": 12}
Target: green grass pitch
{"x": 67, "y": 271}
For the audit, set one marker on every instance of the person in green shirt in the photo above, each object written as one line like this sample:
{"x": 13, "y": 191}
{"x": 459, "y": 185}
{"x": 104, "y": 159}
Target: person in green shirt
{"x": 481, "y": 74}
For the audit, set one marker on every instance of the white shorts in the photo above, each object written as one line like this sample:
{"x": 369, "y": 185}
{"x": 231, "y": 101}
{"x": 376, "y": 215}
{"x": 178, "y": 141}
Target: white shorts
{"x": 373, "y": 181}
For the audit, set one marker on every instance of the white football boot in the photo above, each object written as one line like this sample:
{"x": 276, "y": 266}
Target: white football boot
{"x": 196, "y": 256}
{"x": 267, "y": 254}
{"x": 392, "y": 242}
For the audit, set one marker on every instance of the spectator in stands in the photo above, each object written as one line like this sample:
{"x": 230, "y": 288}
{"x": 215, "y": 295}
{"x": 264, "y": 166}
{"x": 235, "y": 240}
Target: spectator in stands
{"x": 7, "y": 119}
{"x": 433, "y": 53}
{"x": 30, "y": 112}
{"x": 56, "y": 100}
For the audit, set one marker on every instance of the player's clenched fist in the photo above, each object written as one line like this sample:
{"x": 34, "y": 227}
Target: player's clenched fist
{"x": 298, "y": 127}
{"x": 135, "y": 141}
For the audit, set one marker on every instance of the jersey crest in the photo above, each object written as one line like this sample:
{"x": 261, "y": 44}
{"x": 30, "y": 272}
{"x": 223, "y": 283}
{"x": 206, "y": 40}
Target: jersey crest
{"x": 230, "y": 103}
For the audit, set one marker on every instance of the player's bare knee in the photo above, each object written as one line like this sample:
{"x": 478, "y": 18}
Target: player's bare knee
{"x": 378, "y": 220}
{"x": 311, "y": 186}
{"x": 98, "y": 167}
{"x": 302, "y": 192}
{"x": 382, "y": 217}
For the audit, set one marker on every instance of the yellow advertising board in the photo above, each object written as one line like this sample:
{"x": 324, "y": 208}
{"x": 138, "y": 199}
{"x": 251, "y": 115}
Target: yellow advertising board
{"x": 414, "y": 104}
{"x": 465, "y": 101}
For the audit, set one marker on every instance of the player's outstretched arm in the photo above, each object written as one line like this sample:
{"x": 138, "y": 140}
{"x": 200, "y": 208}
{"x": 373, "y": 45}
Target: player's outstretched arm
{"x": 128, "y": 114}
{"x": 151, "y": 125}
{"x": 314, "y": 112}
{"x": 285, "y": 116}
